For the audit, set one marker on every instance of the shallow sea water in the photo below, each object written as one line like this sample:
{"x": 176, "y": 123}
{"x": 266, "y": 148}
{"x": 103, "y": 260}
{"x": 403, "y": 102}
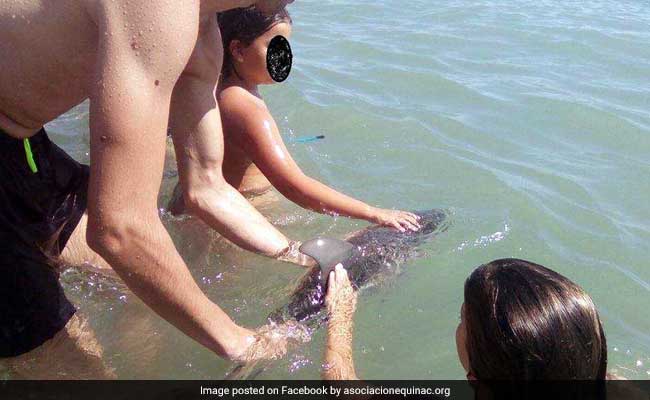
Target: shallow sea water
{"x": 528, "y": 120}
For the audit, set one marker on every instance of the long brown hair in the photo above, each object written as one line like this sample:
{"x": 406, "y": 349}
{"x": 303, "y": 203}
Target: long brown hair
{"x": 245, "y": 25}
{"x": 526, "y": 322}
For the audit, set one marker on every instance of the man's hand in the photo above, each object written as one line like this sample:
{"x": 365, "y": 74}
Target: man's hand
{"x": 271, "y": 341}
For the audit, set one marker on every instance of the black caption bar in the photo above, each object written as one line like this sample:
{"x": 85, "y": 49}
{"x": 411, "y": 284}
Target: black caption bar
{"x": 306, "y": 390}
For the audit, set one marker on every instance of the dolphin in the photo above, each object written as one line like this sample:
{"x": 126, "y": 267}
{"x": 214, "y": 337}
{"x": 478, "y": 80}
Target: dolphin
{"x": 371, "y": 256}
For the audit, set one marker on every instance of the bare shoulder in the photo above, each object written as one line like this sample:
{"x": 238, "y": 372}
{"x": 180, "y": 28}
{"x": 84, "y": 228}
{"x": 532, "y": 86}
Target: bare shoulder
{"x": 152, "y": 15}
{"x": 157, "y": 34}
{"x": 238, "y": 102}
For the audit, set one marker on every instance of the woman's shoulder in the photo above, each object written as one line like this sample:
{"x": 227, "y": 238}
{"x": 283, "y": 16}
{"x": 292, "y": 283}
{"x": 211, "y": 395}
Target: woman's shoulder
{"x": 241, "y": 111}
{"x": 238, "y": 100}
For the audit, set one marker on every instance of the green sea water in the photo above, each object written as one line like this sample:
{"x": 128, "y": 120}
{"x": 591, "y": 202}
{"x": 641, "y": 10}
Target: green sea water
{"x": 528, "y": 120}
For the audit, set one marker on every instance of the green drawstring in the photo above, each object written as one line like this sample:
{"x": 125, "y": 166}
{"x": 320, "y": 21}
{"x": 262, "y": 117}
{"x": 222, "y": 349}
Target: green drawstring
{"x": 30, "y": 155}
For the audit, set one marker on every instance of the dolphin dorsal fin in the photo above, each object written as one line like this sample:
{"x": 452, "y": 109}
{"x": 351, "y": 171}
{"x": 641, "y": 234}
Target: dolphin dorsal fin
{"x": 327, "y": 252}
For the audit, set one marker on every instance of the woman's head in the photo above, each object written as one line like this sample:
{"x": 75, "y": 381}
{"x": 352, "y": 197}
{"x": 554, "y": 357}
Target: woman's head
{"x": 522, "y": 321}
{"x": 246, "y": 34}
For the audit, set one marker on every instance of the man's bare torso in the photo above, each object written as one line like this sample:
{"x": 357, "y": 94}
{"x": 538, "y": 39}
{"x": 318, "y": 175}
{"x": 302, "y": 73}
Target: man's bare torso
{"x": 47, "y": 55}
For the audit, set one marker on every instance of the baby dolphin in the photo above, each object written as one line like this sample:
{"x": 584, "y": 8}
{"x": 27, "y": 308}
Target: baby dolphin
{"x": 372, "y": 255}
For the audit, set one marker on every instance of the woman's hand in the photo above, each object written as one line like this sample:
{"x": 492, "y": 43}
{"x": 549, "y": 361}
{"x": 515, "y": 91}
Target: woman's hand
{"x": 341, "y": 298}
{"x": 400, "y": 220}
{"x": 341, "y": 302}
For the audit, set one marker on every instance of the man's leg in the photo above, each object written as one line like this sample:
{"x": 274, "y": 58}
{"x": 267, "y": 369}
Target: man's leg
{"x": 37, "y": 321}
{"x": 73, "y": 353}
{"x": 265, "y": 201}
{"x": 78, "y": 338}
{"x": 78, "y": 253}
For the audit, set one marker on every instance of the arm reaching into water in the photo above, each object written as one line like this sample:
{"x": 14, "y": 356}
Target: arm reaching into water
{"x": 129, "y": 106}
{"x": 341, "y": 302}
{"x": 195, "y": 123}
{"x": 253, "y": 129}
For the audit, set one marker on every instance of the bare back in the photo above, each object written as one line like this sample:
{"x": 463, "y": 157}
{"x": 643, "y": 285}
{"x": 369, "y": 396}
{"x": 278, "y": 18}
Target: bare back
{"x": 49, "y": 50}
{"x": 47, "y": 56}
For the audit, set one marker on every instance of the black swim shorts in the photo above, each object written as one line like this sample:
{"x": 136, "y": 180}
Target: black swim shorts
{"x": 40, "y": 206}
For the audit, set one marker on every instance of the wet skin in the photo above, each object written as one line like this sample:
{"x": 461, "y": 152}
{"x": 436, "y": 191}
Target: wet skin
{"x": 141, "y": 64}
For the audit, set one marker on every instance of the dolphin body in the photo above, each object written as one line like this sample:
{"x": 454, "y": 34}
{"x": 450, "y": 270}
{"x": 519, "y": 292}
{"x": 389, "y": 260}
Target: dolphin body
{"x": 377, "y": 254}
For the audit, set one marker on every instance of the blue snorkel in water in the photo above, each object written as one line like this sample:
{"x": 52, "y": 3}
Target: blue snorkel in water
{"x": 308, "y": 139}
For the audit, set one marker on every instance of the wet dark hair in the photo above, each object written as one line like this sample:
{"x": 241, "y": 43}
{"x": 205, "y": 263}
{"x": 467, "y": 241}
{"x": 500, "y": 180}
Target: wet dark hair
{"x": 245, "y": 25}
{"x": 526, "y": 322}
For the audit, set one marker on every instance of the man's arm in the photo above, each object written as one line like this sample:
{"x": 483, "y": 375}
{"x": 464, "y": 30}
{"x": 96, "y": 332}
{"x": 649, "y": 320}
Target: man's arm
{"x": 142, "y": 50}
{"x": 195, "y": 123}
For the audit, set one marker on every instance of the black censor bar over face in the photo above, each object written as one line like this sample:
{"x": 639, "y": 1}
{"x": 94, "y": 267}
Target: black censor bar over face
{"x": 279, "y": 58}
